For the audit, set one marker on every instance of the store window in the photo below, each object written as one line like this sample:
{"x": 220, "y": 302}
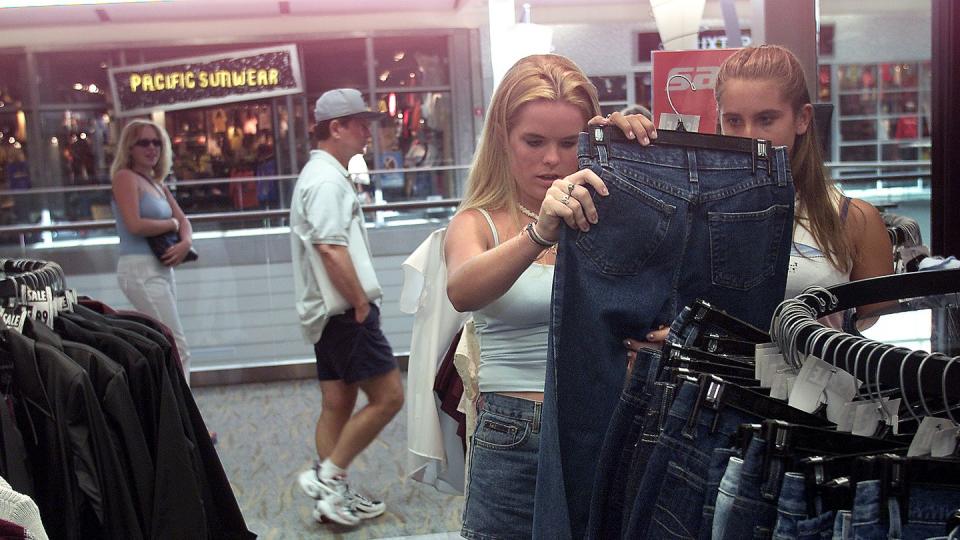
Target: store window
{"x": 334, "y": 63}
{"x": 643, "y": 89}
{"x": 413, "y": 88}
{"x": 611, "y": 91}
{"x": 78, "y": 77}
{"x": 14, "y": 169}
{"x": 234, "y": 140}
{"x": 884, "y": 111}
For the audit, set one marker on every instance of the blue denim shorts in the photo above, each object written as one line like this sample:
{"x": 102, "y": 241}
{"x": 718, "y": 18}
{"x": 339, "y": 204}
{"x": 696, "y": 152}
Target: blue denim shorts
{"x": 503, "y": 469}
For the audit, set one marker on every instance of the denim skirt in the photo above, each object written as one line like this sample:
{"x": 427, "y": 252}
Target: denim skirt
{"x": 503, "y": 469}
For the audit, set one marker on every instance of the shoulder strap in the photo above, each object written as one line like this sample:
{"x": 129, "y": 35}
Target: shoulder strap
{"x": 493, "y": 228}
{"x": 844, "y": 209}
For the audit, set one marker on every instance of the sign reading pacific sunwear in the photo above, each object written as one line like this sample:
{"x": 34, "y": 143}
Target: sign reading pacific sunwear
{"x": 206, "y": 80}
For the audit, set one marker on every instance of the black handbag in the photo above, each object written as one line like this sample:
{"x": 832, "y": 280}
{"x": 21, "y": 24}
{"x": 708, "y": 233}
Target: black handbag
{"x": 162, "y": 242}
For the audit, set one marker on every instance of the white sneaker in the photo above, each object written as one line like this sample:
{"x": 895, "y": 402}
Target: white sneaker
{"x": 363, "y": 507}
{"x": 309, "y": 481}
{"x": 333, "y": 503}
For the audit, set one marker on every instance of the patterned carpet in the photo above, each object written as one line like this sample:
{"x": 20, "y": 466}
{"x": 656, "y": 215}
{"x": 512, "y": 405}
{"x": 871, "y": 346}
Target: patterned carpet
{"x": 265, "y": 436}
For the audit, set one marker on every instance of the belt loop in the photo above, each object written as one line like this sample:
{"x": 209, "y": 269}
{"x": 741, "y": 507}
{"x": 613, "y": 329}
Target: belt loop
{"x": 599, "y": 140}
{"x": 537, "y": 408}
{"x": 692, "y": 165}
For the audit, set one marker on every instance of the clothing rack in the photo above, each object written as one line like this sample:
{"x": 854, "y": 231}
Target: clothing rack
{"x": 795, "y": 328}
{"x": 32, "y": 272}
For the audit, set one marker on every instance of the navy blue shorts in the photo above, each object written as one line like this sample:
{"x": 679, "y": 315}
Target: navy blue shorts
{"x": 352, "y": 351}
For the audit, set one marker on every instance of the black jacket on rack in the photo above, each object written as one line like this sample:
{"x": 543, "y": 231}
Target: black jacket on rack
{"x": 79, "y": 482}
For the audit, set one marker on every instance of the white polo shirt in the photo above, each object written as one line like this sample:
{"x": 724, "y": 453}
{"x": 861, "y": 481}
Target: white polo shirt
{"x": 325, "y": 210}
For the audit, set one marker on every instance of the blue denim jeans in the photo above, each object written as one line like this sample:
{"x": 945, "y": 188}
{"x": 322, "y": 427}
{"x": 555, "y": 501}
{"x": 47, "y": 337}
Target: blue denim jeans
{"x": 616, "y": 455}
{"x": 721, "y": 462}
{"x": 928, "y": 508}
{"x": 669, "y": 208}
{"x": 843, "y": 525}
{"x": 754, "y": 510}
{"x": 729, "y": 485}
{"x": 866, "y": 523}
{"x": 793, "y": 521}
{"x": 669, "y": 503}
{"x": 503, "y": 469}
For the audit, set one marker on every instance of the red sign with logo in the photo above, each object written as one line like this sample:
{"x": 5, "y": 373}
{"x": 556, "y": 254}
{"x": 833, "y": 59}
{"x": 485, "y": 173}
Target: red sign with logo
{"x": 695, "y": 105}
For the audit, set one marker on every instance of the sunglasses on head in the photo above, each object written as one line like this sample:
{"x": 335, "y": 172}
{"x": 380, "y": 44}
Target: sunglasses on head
{"x": 143, "y": 143}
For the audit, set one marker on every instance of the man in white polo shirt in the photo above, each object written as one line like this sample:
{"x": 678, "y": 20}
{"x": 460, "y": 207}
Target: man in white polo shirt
{"x": 337, "y": 300}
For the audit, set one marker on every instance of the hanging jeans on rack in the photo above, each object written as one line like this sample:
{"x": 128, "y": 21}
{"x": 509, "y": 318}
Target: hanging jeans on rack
{"x": 680, "y": 223}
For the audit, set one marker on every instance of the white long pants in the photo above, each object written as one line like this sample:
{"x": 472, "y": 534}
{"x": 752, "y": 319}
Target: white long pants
{"x": 150, "y": 287}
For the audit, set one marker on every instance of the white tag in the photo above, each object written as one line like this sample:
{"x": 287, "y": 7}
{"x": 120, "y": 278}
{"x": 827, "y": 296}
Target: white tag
{"x": 791, "y": 379}
{"x": 868, "y": 418}
{"x": 71, "y": 297}
{"x": 944, "y": 442}
{"x": 761, "y": 349}
{"x": 778, "y": 389}
{"x": 922, "y": 441}
{"x": 812, "y": 380}
{"x": 770, "y": 365}
{"x": 15, "y": 317}
{"x": 892, "y": 407}
{"x": 847, "y": 416}
{"x": 841, "y": 388}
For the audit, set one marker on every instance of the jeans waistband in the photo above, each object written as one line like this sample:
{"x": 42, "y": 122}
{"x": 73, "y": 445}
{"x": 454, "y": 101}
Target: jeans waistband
{"x": 514, "y": 407}
{"x": 674, "y": 149}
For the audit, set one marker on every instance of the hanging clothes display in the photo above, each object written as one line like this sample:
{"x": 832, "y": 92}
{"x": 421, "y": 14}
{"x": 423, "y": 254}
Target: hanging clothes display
{"x": 104, "y": 432}
{"x": 814, "y": 433}
{"x": 686, "y": 197}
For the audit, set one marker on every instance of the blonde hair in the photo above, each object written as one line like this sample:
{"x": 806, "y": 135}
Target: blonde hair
{"x": 129, "y": 135}
{"x": 816, "y": 194}
{"x": 548, "y": 77}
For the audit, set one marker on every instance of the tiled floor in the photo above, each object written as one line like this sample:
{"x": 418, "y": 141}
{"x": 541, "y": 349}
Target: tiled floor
{"x": 266, "y": 437}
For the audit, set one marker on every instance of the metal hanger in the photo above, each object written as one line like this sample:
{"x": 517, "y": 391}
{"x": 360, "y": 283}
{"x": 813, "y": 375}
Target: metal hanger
{"x": 680, "y": 126}
{"x": 943, "y": 388}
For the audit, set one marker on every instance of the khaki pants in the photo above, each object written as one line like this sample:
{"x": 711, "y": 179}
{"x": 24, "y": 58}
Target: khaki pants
{"x": 150, "y": 287}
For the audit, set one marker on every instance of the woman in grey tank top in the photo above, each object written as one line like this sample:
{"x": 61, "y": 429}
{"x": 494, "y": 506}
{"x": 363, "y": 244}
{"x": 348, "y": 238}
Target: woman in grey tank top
{"x": 524, "y": 187}
{"x": 144, "y": 207}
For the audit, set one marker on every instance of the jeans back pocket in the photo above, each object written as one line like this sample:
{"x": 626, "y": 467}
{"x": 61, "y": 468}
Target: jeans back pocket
{"x": 632, "y": 226}
{"x": 744, "y": 246}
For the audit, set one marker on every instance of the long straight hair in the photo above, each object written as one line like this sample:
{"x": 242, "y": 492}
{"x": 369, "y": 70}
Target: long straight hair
{"x": 550, "y": 77}
{"x": 816, "y": 194}
{"x": 129, "y": 135}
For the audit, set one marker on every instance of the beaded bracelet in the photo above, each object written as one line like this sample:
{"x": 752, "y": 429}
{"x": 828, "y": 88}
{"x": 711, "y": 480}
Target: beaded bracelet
{"x": 537, "y": 239}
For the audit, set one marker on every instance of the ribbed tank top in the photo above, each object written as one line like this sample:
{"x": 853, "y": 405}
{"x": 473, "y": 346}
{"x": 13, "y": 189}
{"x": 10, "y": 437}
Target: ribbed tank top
{"x": 512, "y": 331}
{"x": 151, "y": 207}
{"x": 808, "y": 264}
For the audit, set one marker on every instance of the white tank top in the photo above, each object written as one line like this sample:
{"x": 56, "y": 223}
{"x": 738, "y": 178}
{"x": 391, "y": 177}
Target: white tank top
{"x": 808, "y": 265}
{"x": 512, "y": 331}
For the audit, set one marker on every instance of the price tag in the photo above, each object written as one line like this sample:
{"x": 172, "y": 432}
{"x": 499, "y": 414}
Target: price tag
{"x": 922, "y": 441}
{"x": 14, "y": 317}
{"x": 847, "y": 416}
{"x": 840, "y": 390}
{"x": 808, "y": 390}
{"x": 945, "y": 442}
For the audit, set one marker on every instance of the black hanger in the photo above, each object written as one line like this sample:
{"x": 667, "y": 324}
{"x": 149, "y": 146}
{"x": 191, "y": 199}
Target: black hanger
{"x": 720, "y": 344}
{"x": 705, "y": 312}
{"x": 759, "y": 149}
{"x": 674, "y": 352}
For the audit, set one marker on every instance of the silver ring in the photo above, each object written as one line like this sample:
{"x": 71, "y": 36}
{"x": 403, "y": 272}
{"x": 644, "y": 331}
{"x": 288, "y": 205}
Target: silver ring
{"x": 564, "y": 200}
{"x": 570, "y": 187}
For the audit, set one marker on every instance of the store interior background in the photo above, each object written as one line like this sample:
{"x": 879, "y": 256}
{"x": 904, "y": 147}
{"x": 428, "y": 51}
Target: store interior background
{"x": 427, "y": 64}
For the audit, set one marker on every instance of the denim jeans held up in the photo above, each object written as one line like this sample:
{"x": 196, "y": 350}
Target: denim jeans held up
{"x": 680, "y": 223}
